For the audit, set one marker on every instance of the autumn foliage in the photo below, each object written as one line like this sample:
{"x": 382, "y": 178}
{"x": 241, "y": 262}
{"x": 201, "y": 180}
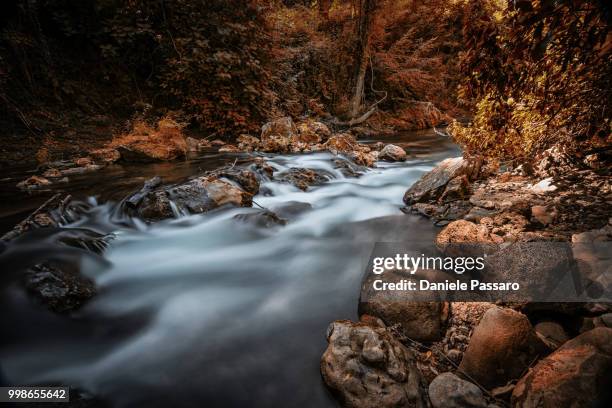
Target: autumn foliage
{"x": 539, "y": 73}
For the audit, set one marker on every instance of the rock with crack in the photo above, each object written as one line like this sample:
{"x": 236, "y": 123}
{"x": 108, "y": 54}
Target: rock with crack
{"x": 577, "y": 374}
{"x": 301, "y": 178}
{"x": 365, "y": 366}
{"x": 431, "y": 185}
{"x": 449, "y": 391}
{"x": 392, "y": 153}
{"x": 502, "y": 348}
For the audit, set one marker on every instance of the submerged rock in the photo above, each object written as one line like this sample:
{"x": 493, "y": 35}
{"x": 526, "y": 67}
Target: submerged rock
{"x": 575, "y": 375}
{"x": 502, "y": 347}
{"x": 261, "y": 219}
{"x": 301, "y": 178}
{"x": 392, "y": 153}
{"x": 59, "y": 289}
{"x": 449, "y": 391}
{"x": 365, "y": 366}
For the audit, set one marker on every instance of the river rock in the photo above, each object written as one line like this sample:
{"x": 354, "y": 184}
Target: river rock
{"x": 392, "y": 153}
{"x": 276, "y": 135}
{"x": 462, "y": 231}
{"x": 501, "y": 348}
{"x": 52, "y": 173}
{"x": 261, "y": 219}
{"x": 431, "y": 185}
{"x": 575, "y": 375}
{"x": 341, "y": 143}
{"x": 313, "y": 132}
{"x": 456, "y": 189}
{"x": 301, "y": 178}
{"x": 193, "y": 145}
{"x": 246, "y": 179}
{"x": 61, "y": 290}
{"x": 33, "y": 183}
{"x": 228, "y": 148}
{"x": 248, "y": 143}
{"x": 421, "y": 321}
{"x": 449, "y": 391}
{"x": 365, "y": 366}
{"x": 84, "y": 161}
{"x": 552, "y": 333}
{"x": 105, "y": 155}
{"x": 193, "y": 197}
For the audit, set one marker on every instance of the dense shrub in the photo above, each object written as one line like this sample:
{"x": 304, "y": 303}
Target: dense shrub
{"x": 540, "y": 73}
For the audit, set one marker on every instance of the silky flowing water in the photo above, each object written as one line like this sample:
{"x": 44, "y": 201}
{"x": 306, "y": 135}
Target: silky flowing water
{"x": 210, "y": 310}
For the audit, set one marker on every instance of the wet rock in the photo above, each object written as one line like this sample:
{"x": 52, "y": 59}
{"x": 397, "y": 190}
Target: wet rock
{"x": 33, "y": 183}
{"x": 301, "y": 178}
{"x": 348, "y": 168}
{"x": 61, "y": 290}
{"x": 392, "y": 153}
{"x": 135, "y": 199}
{"x": 456, "y": 189}
{"x": 248, "y": 143}
{"x": 365, "y": 366}
{"x": 276, "y": 135}
{"x": 261, "y": 219}
{"x": 261, "y": 167}
{"x": 193, "y": 197}
{"x": 47, "y": 215}
{"x": 105, "y": 155}
{"x": 552, "y": 333}
{"x": 341, "y": 143}
{"x": 575, "y": 375}
{"x": 367, "y": 159}
{"x": 228, "y": 148}
{"x": 449, "y": 391}
{"x": 501, "y": 348}
{"x": 431, "y": 185}
{"x": 245, "y": 178}
{"x": 291, "y": 209}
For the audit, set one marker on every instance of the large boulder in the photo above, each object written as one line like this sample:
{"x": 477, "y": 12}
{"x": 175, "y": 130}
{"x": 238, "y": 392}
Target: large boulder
{"x": 431, "y": 185}
{"x": 311, "y": 132}
{"x": 501, "y": 348}
{"x": 449, "y": 391}
{"x": 575, "y": 375}
{"x": 392, "y": 153}
{"x": 276, "y": 135}
{"x": 365, "y": 366}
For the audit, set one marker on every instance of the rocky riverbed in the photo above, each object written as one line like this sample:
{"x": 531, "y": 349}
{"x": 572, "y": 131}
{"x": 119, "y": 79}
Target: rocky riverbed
{"x": 262, "y": 249}
{"x": 474, "y": 354}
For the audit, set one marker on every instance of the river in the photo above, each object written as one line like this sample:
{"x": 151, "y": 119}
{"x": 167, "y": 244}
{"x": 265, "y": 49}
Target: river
{"x": 208, "y": 310}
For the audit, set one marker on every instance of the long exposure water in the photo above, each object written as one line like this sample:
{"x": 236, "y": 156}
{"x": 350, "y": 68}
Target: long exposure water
{"x": 211, "y": 310}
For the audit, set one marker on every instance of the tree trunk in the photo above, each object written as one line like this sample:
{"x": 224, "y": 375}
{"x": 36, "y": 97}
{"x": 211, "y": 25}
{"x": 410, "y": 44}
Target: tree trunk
{"x": 324, "y": 6}
{"x": 366, "y": 8}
